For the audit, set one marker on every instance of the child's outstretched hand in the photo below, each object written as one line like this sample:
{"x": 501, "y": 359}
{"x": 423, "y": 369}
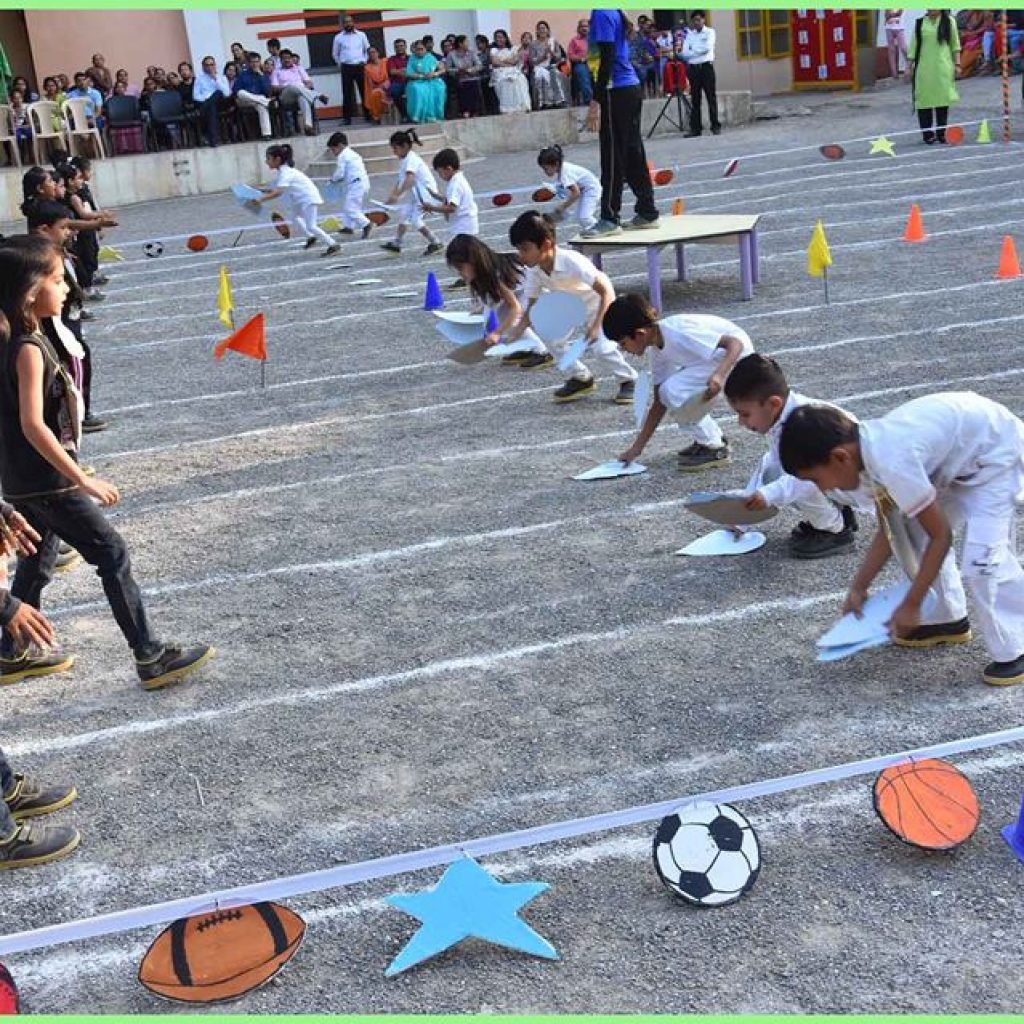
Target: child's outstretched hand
{"x": 253, "y": 204}
{"x": 854, "y": 602}
{"x": 905, "y": 620}
{"x": 106, "y": 494}
{"x": 714, "y": 387}
{"x": 492, "y": 338}
{"x": 16, "y": 536}
{"x": 631, "y": 454}
{"x": 28, "y": 625}
{"x": 756, "y": 502}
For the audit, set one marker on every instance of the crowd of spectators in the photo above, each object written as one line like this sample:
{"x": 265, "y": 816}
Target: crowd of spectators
{"x": 980, "y": 43}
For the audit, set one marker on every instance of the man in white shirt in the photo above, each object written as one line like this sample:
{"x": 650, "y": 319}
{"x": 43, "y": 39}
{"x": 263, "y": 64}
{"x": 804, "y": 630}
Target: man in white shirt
{"x": 349, "y": 50}
{"x": 210, "y": 91}
{"x": 292, "y": 84}
{"x": 699, "y": 54}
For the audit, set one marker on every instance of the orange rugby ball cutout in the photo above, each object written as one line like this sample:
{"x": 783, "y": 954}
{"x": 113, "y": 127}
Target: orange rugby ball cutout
{"x": 281, "y": 225}
{"x": 377, "y": 217}
{"x": 543, "y": 195}
{"x": 663, "y": 177}
{"x": 223, "y": 955}
{"x": 502, "y": 199}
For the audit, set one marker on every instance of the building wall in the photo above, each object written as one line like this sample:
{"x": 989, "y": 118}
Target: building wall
{"x": 16, "y": 45}
{"x": 128, "y": 39}
{"x": 761, "y": 77}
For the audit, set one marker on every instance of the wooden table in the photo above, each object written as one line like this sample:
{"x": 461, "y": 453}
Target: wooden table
{"x": 678, "y": 231}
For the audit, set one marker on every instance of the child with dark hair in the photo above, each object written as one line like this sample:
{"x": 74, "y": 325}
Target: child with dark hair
{"x": 350, "y": 173}
{"x": 935, "y": 464}
{"x": 553, "y": 269}
{"x": 760, "y": 396}
{"x": 574, "y": 186}
{"x": 415, "y": 183}
{"x": 458, "y": 204}
{"x": 690, "y": 354}
{"x": 302, "y": 195}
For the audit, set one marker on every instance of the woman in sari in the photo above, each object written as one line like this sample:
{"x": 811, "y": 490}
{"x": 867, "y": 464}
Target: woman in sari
{"x": 376, "y": 86}
{"x": 550, "y": 87}
{"x": 508, "y": 80}
{"x": 425, "y": 91}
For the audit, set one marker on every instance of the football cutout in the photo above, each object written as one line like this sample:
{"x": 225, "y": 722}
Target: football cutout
{"x": 502, "y": 199}
{"x": 543, "y": 195}
{"x": 8, "y": 993}
{"x": 280, "y": 225}
{"x": 197, "y": 243}
{"x": 707, "y": 854}
{"x": 929, "y": 804}
{"x": 212, "y": 958}
{"x": 833, "y": 151}
{"x": 377, "y": 217}
{"x": 663, "y": 177}
{"x": 153, "y": 249}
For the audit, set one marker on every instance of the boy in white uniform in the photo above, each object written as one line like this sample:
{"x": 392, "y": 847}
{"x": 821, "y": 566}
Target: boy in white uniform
{"x": 550, "y": 268}
{"x": 458, "y": 203}
{"x": 941, "y": 461}
{"x": 350, "y": 172}
{"x": 760, "y": 396}
{"x": 690, "y": 353}
{"x": 574, "y": 185}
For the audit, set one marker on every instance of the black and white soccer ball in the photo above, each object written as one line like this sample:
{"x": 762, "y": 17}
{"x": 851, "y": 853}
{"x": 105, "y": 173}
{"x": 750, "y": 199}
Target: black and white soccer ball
{"x": 707, "y": 854}
{"x": 153, "y": 249}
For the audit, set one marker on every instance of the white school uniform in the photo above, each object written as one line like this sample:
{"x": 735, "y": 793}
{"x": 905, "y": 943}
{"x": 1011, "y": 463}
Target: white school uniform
{"x": 589, "y": 202}
{"x": 409, "y": 211}
{"x": 350, "y": 171}
{"x": 303, "y": 197}
{"x": 687, "y": 358}
{"x": 500, "y": 310}
{"x": 574, "y": 273}
{"x": 967, "y": 453}
{"x": 465, "y": 219}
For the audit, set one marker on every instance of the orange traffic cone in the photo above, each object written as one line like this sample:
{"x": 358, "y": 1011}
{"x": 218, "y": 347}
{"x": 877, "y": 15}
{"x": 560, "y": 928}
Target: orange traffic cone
{"x": 1009, "y": 265}
{"x": 915, "y": 226}
{"x": 678, "y": 205}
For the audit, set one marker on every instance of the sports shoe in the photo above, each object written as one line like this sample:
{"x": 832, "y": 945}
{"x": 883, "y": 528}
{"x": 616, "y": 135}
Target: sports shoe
{"x": 331, "y": 250}
{"x": 174, "y": 662}
{"x": 703, "y": 456}
{"x": 29, "y": 800}
{"x": 807, "y": 541}
{"x": 457, "y": 283}
{"x": 390, "y": 246}
{"x": 432, "y": 248}
{"x": 573, "y": 390}
{"x": 537, "y": 361}
{"x": 639, "y": 223}
{"x": 937, "y": 633}
{"x": 625, "y": 394}
{"x": 32, "y": 662}
{"x": 1004, "y": 673}
{"x": 602, "y": 228}
{"x": 717, "y": 130}
{"x": 93, "y": 424}
{"x": 84, "y": 314}
{"x": 93, "y": 295}
{"x": 516, "y": 358}
{"x": 37, "y": 844}
{"x": 345, "y": 231}
{"x": 100, "y": 279}
{"x": 310, "y": 242}
{"x": 67, "y": 558}
{"x": 367, "y": 229}
{"x": 849, "y": 518}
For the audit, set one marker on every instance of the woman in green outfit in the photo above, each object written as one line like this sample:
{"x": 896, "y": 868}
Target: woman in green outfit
{"x": 934, "y": 62}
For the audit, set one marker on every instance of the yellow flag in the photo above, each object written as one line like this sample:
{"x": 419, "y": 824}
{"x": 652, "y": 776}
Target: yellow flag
{"x": 225, "y": 300}
{"x": 108, "y": 254}
{"x": 818, "y": 255}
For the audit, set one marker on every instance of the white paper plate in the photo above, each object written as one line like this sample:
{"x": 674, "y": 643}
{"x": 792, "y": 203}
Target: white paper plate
{"x": 727, "y": 509}
{"x": 363, "y": 281}
{"x": 724, "y": 542}
{"x": 556, "y": 315}
{"x": 461, "y": 317}
{"x": 877, "y": 611}
{"x": 612, "y": 470}
{"x": 574, "y": 352}
{"x": 459, "y": 334}
{"x": 838, "y": 653}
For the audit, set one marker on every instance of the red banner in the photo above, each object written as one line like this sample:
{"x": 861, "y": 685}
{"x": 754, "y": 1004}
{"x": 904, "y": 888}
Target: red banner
{"x": 824, "y": 49}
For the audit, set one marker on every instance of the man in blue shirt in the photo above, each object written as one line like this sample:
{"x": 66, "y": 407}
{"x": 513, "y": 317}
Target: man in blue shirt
{"x": 210, "y": 93}
{"x": 84, "y": 90}
{"x": 252, "y": 89}
{"x": 616, "y": 110}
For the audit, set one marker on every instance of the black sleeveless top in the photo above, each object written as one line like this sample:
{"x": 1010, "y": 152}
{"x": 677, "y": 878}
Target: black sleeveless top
{"x": 24, "y": 473}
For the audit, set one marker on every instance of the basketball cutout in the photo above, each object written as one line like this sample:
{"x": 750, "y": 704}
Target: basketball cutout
{"x": 929, "y": 804}
{"x": 197, "y": 243}
{"x": 833, "y": 151}
{"x": 502, "y": 199}
{"x": 663, "y": 177}
{"x": 280, "y": 225}
{"x": 955, "y": 135}
{"x": 543, "y": 195}
{"x": 707, "y": 854}
{"x": 8, "y": 993}
{"x": 731, "y": 168}
{"x": 212, "y": 958}
{"x": 377, "y": 217}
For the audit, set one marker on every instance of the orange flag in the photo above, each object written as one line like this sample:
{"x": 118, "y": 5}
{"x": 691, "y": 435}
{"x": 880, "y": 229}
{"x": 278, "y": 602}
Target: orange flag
{"x": 250, "y": 340}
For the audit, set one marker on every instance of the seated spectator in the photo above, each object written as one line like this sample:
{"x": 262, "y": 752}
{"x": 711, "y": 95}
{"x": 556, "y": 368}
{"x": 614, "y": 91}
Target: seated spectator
{"x": 239, "y": 55}
{"x": 576, "y": 51}
{"x": 483, "y": 52}
{"x": 293, "y": 87}
{"x": 550, "y": 88}
{"x": 211, "y": 94}
{"x": 465, "y": 70}
{"x": 19, "y": 121}
{"x": 65, "y": 83}
{"x": 252, "y": 92}
{"x": 396, "y": 74}
{"x": 20, "y": 84}
{"x": 428, "y": 45}
{"x": 990, "y": 41}
{"x": 268, "y": 66}
{"x": 84, "y": 90}
{"x": 160, "y": 77}
{"x": 274, "y": 53}
{"x": 424, "y": 86}
{"x": 972, "y": 26}
{"x": 376, "y": 89}
{"x": 231, "y": 72}
{"x": 507, "y": 76}
{"x": 100, "y": 74}
{"x": 122, "y": 77}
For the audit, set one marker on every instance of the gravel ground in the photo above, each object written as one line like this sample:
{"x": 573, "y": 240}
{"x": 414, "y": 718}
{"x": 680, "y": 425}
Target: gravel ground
{"x": 427, "y": 633}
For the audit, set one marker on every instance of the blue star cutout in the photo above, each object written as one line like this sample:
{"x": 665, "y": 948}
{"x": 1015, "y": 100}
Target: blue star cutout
{"x": 468, "y": 901}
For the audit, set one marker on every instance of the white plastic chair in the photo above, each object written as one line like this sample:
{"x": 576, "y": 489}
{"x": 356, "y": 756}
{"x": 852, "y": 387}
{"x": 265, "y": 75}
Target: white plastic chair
{"x": 43, "y": 118}
{"x": 8, "y": 136}
{"x": 77, "y": 126}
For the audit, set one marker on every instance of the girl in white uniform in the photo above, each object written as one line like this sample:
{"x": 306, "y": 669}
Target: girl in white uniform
{"x": 301, "y": 194}
{"x": 350, "y": 173}
{"x": 414, "y": 187}
{"x": 574, "y": 185}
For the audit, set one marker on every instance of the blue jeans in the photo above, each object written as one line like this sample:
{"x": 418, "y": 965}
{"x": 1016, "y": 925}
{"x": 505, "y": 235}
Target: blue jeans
{"x": 584, "y": 83}
{"x": 7, "y": 822}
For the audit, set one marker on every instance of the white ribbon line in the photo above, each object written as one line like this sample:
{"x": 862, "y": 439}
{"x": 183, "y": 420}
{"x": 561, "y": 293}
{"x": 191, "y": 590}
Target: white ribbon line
{"x": 436, "y": 856}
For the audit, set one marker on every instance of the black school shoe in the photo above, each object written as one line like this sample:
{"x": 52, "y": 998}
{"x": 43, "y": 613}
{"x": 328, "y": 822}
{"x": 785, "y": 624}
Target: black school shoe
{"x": 1004, "y": 673}
{"x": 534, "y": 360}
{"x": 37, "y": 844}
{"x": 625, "y": 393}
{"x": 174, "y": 662}
{"x": 26, "y": 665}
{"x": 92, "y": 424}
{"x": 573, "y": 390}
{"x": 937, "y": 633}
{"x": 697, "y": 456}
{"x": 808, "y": 542}
{"x": 29, "y": 800}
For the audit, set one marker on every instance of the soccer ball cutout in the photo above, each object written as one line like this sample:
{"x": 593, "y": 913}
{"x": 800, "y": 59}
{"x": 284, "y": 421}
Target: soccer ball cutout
{"x": 153, "y": 249}
{"x": 707, "y": 854}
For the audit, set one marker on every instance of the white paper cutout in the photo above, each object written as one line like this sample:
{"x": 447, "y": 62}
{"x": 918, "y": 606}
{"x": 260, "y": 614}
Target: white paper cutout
{"x": 611, "y": 470}
{"x": 724, "y": 542}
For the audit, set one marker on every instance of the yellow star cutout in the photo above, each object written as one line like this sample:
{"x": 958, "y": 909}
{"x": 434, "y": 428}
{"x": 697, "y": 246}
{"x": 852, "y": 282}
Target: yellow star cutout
{"x": 882, "y": 145}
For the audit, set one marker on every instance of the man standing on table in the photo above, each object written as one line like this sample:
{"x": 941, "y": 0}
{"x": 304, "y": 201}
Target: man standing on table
{"x": 615, "y": 111}
{"x": 349, "y": 50}
{"x": 699, "y": 54}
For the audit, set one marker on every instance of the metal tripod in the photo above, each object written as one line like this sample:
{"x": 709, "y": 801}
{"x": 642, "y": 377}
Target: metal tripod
{"x": 681, "y": 121}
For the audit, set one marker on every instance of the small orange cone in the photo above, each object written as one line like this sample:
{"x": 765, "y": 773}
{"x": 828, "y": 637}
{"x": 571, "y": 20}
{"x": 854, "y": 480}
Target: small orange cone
{"x": 1009, "y": 265}
{"x": 915, "y": 226}
{"x": 678, "y": 205}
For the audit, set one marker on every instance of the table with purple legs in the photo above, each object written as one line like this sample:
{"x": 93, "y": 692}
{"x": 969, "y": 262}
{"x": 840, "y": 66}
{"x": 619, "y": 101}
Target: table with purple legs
{"x": 686, "y": 229}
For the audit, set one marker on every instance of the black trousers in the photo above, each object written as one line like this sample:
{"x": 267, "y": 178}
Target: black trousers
{"x": 623, "y": 158}
{"x": 209, "y": 115}
{"x": 74, "y": 518}
{"x": 925, "y": 119}
{"x": 351, "y": 80}
{"x": 702, "y": 83}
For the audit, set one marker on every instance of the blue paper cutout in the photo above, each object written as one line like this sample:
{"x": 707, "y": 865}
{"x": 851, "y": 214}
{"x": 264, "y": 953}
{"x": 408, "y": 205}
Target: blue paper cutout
{"x": 574, "y": 352}
{"x": 468, "y": 901}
